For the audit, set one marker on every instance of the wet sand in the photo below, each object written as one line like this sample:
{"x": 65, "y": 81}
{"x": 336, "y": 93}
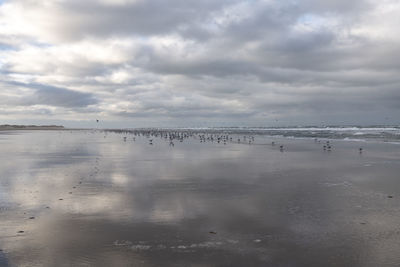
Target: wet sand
{"x": 79, "y": 198}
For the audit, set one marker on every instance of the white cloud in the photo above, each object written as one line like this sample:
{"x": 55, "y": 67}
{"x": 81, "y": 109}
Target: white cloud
{"x": 233, "y": 60}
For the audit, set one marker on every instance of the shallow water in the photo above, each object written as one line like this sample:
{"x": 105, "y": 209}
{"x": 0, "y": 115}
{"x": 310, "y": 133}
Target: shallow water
{"x": 86, "y": 198}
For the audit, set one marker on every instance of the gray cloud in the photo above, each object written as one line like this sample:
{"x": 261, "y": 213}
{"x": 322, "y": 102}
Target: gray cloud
{"x": 54, "y": 96}
{"x": 232, "y": 60}
{"x": 141, "y": 18}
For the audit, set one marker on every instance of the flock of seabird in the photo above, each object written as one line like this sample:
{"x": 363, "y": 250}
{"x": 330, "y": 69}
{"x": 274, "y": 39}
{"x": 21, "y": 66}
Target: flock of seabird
{"x": 173, "y": 136}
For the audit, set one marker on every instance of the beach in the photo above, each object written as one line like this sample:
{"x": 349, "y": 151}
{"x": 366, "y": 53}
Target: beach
{"x": 116, "y": 198}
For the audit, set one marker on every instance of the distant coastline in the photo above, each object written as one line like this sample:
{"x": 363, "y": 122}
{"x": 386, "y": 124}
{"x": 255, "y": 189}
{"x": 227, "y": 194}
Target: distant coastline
{"x": 6, "y": 127}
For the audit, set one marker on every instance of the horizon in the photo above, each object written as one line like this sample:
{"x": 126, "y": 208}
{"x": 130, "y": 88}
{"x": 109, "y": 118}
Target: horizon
{"x": 344, "y": 126}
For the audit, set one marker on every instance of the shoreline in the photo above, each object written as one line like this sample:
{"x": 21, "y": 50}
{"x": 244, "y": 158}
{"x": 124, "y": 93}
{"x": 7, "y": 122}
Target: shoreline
{"x": 7, "y": 127}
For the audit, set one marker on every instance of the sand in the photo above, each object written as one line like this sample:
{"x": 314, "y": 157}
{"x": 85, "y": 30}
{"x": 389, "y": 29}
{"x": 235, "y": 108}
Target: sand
{"x": 85, "y": 198}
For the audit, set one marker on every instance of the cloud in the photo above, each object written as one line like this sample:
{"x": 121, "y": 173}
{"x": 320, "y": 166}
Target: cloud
{"x": 233, "y": 60}
{"x": 46, "y": 95}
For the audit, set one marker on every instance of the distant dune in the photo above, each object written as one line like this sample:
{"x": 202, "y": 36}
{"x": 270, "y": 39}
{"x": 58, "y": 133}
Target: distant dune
{"x": 30, "y": 127}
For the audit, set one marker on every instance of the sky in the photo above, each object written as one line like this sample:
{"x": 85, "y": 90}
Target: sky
{"x": 191, "y": 63}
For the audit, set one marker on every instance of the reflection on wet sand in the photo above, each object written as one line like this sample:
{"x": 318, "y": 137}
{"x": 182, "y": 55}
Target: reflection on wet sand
{"x": 83, "y": 198}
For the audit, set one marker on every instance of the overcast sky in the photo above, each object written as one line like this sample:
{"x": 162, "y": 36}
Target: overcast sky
{"x": 134, "y": 63}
